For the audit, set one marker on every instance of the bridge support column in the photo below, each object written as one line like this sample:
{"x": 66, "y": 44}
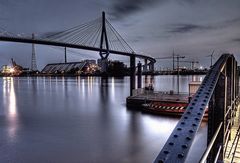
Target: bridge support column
{"x": 104, "y": 65}
{"x": 132, "y": 73}
{"x": 65, "y": 54}
{"x": 139, "y": 74}
{"x": 217, "y": 109}
{"x": 151, "y": 67}
{"x": 145, "y": 66}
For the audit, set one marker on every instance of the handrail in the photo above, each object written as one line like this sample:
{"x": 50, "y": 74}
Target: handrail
{"x": 226, "y": 143}
{"x": 230, "y": 106}
{"x": 207, "y": 151}
{"x": 216, "y": 158}
{"x": 235, "y": 138}
{"x": 228, "y": 125}
{"x": 237, "y": 135}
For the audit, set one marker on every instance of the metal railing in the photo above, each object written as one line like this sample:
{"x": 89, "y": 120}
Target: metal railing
{"x": 232, "y": 107}
{"x": 208, "y": 150}
{"x": 178, "y": 144}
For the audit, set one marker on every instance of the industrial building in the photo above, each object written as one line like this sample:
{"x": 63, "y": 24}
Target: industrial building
{"x": 82, "y": 67}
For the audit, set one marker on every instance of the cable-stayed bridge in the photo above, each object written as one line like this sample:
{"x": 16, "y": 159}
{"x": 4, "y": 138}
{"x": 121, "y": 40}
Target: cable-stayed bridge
{"x": 96, "y": 35}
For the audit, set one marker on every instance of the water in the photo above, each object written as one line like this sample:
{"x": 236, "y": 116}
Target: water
{"x": 82, "y": 120}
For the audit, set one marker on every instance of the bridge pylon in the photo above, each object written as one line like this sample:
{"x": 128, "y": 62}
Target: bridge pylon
{"x": 33, "y": 62}
{"x": 104, "y": 53}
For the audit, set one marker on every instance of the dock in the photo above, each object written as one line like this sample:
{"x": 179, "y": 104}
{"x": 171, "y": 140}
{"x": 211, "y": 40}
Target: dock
{"x": 141, "y": 97}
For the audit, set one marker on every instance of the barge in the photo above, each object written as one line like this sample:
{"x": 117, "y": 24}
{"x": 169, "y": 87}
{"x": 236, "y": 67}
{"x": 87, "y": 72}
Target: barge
{"x": 170, "y": 109}
{"x": 162, "y": 103}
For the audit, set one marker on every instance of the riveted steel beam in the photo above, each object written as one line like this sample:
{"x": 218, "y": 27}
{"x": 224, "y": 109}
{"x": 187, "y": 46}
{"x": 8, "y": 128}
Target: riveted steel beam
{"x": 178, "y": 144}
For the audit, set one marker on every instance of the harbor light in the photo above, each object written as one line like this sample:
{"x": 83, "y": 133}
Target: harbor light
{"x": 11, "y": 70}
{"x": 7, "y": 70}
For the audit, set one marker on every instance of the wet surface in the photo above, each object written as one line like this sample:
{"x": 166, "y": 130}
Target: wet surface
{"x": 80, "y": 120}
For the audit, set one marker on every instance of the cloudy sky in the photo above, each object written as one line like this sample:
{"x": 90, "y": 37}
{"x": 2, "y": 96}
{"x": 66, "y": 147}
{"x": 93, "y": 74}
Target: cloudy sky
{"x": 193, "y": 28}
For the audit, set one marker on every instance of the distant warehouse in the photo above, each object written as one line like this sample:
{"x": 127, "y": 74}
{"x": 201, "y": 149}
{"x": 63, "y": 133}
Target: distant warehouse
{"x": 82, "y": 67}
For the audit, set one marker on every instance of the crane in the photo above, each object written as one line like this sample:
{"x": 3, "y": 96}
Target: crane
{"x": 173, "y": 58}
{"x": 178, "y": 57}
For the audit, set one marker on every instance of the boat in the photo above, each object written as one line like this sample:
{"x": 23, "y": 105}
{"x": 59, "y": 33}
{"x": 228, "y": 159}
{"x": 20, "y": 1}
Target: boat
{"x": 167, "y": 108}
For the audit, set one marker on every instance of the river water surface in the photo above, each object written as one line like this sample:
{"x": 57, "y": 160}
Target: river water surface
{"x": 82, "y": 120}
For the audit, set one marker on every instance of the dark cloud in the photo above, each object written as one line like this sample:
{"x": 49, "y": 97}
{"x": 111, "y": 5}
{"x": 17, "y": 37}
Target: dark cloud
{"x": 122, "y": 8}
{"x": 185, "y": 28}
{"x": 236, "y": 40}
{"x": 232, "y": 21}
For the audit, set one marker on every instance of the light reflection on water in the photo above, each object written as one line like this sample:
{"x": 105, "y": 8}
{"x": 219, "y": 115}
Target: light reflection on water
{"x": 80, "y": 119}
{"x": 10, "y": 106}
